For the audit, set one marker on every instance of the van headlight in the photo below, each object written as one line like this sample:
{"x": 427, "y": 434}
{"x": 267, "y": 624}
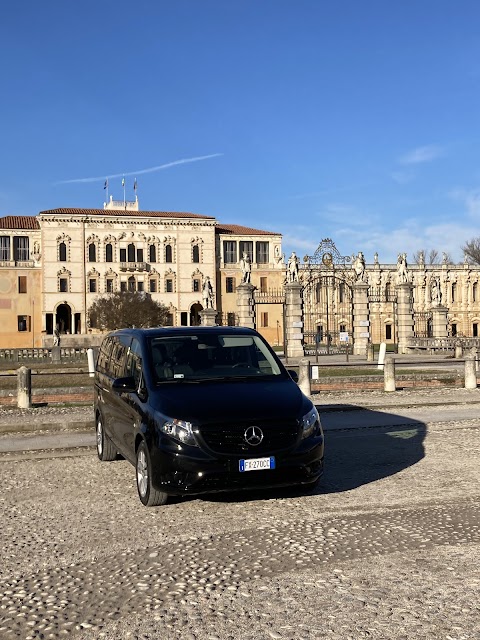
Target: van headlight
{"x": 309, "y": 422}
{"x": 179, "y": 430}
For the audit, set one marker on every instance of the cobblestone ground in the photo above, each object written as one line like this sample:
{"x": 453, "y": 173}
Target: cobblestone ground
{"x": 381, "y": 550}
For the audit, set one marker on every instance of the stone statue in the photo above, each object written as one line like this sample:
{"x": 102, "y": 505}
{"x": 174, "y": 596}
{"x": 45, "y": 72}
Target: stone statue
{"x": 436, "y": 292}
{"x": 402, "y": 273}
{"x": 375, "y": 257}
{"x": 56, "y": 336}
{"x": 292, "y": 268}
{"x": 246, "y": 267}
{"x": 207, "y": 292}
{"x": 359, "y": 267}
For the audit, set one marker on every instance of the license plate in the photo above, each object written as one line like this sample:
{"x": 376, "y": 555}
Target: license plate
{"x": 256, "y": 464}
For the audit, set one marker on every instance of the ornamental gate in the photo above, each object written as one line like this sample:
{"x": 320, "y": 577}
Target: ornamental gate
{"x": 327, "y": 301}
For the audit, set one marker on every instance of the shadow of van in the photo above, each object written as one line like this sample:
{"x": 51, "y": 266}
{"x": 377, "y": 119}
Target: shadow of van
{"x": 361, "y": 446}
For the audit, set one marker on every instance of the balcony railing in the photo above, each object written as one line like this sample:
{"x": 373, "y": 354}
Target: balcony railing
{"x": 134, "y": 266}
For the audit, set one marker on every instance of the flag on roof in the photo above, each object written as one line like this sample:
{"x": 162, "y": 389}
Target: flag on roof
{"x": 105, "y": 186}
{"x": 135, "y": 184}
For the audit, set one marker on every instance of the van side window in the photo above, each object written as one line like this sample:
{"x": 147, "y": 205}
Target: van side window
{"x": 104, "y": 355}
{"x": 134, "y": 363}
{"x": 119, "y": 353}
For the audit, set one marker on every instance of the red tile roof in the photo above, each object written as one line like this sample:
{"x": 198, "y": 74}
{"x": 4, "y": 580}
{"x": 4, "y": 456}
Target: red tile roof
{"x": 242, "y": 231}
{"x": 122, "y": 212}
{"x": 19, "y": 222}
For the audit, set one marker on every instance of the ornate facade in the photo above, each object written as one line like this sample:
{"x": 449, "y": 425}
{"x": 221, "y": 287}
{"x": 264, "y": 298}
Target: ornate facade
{"x": 71, "y": 256}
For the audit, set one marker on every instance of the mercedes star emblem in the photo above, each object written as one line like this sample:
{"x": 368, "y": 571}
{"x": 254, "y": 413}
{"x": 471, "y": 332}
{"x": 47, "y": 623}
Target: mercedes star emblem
{"x": 253, "y": 436}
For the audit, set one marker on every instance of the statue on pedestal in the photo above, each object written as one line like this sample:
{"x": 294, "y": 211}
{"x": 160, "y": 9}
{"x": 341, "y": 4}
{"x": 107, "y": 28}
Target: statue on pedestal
{"x": 292, "y": 268}
{"x": 402, "y": 272}
{"x": 207, "y": 293}
{"x": 359, "y": 268}
{"x": 436, "y": 292}
{"x": 246, "y": 267}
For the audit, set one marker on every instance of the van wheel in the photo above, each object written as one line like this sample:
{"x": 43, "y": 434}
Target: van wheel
{"x": 105, "y": 449}
{"x": 149, "y": 496}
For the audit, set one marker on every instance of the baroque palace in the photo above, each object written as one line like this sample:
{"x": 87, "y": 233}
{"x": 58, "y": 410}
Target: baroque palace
{"x": 54, "y": 265}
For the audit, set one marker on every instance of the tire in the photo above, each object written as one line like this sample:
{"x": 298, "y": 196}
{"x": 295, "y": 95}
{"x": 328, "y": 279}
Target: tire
{"x": 106, "y": 452}
{"x": 148, "y": 495}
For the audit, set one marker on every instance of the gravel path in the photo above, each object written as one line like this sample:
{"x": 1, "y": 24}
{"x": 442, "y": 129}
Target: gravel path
{"x": 388, "y": 547}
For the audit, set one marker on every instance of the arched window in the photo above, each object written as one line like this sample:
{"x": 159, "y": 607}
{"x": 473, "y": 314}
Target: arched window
{"x": 92, "y": 252}
{"x": 62, "y": 252}
{"x": 387, "y": 291}
{"x": 131, "y": 253}
{"x": 168, "y": 253}
{"x": 131, "y": 284}
{"x": 152, "y": 253}
{"x": 196, "y": 253}
{"x": 108, "y": 253}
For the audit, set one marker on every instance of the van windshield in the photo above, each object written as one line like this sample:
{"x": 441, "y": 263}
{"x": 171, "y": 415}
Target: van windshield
{"x": 213, "y": 357}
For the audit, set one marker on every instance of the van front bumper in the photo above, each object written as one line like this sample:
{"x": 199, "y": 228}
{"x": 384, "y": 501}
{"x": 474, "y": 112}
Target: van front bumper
{"x": 191, "y": 471}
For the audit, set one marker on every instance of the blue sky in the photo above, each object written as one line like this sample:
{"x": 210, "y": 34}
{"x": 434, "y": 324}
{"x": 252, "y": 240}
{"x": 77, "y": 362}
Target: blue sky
{"x": 356, "y": 121}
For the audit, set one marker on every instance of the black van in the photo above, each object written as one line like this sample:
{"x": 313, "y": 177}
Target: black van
{"x": 203, "y": 409}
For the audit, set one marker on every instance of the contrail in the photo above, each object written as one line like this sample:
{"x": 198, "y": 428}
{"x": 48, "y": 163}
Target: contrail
{"x": 140, "y": 171}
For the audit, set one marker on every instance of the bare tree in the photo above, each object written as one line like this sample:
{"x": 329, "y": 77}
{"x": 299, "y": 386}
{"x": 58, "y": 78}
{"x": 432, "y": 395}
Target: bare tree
{"x": 431, "y": 256}
{"x": 126, "y": 309}
{"x": 471, "y": 250}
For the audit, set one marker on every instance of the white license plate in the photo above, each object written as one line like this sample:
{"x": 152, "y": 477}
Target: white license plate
{"x": 256, "y": 464}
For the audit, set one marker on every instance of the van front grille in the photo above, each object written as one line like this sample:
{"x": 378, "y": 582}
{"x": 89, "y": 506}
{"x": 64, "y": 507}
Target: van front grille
{"x": 230, "y": 438}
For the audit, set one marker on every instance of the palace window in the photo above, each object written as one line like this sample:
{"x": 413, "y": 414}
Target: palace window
{"x": 22, "y": 284}
{"x": 153, "y": 285}
{"x": 92, "y": 252}
{"x": 341, "y": 292}
{"x": 475, "y": 330}
{"x": 454, "y": 291}
{"x": 229, "y": 251}
{"x": 132, "y": 285}
{"x": 169, "y": 285}
{"x": 196, "y": 253}
{"x": 261, "y": 253}
{"x": 4, "y": 248}
{"x": 108, "y": 253}
{"x": 92, "y": 285}
{"x": 388, "y": 332}
{"x": 63, "y": 285}
{"x": 21, "y": 250}
{"x": 109, "y": 285}
{"x": 62, "y": 252}
{"x": 230, "y": 285}
{"x": 152, "y": 253}
{"x": 196, "y": 284}
{"x": 263, "y": 285}
{"x": 140, "y": 286}
{"x": 23, "y": 323}
{"x": 474, "y": 292}
{"x": 168, "y": 253}
{"x": 131, "y": 253}
{"x": 123, "y": 286}
{"x": 246, "y": 247}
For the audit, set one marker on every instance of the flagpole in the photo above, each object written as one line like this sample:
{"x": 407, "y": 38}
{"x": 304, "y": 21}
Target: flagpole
{"x": 124, "y": 200}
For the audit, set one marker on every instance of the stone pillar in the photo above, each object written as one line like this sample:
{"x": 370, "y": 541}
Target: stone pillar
{"x": 208, "y": 317}
{"x": 304, "y": 377}
{"x": 361, "y": 322}
{"x": 245, "y": 305}
{"x": 470, "y": 373}
{"x": 24, "y": 388}
{"x": 404, "y": 315}
{"x": 439, "y": 321}
{"x": 389, "y": 374}
{"x": 293, "y": 320}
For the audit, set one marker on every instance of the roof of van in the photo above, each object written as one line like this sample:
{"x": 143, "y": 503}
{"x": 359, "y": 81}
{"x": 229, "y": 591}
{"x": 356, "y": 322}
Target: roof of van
{"x": 154, "y": 331}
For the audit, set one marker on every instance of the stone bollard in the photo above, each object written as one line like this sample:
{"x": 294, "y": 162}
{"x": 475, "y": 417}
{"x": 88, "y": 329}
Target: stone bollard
{"x": 304, "y": 376}
{"x": 91, "y": 362}
{"x": 56, "y": 355}
{"x": 458, "y": 350}
{"x": 24, "y": 388}
{"x": 470, "y": 373}
{"x": 370, "y": 352}
{"x": 389, "y": 374}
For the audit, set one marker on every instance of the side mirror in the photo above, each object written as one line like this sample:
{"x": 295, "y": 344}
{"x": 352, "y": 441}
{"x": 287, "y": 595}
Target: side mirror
{"x": 124, "y": 385}
{"x": 293, "y": 374}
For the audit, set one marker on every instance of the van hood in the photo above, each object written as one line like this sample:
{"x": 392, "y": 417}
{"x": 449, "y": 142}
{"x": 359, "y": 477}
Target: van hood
{"x": 241, "y": 400}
